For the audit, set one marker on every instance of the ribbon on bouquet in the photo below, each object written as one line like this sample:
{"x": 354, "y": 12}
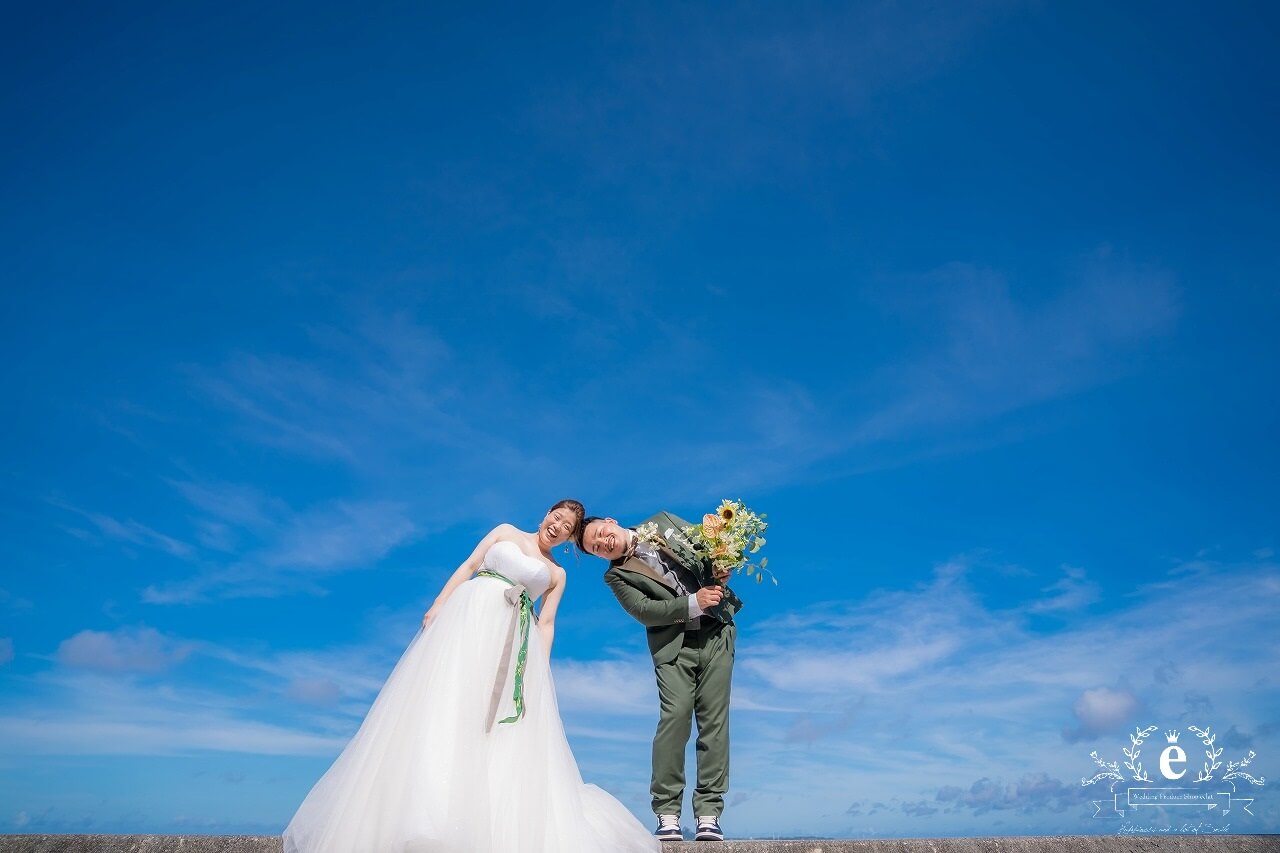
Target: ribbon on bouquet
{"x": 519, "y": 598}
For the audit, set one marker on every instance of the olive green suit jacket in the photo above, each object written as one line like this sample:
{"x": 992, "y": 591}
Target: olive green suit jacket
{"x": 651, "y": 599}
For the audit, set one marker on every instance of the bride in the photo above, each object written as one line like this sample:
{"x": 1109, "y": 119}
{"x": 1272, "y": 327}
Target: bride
{"x": 463, "y": 749}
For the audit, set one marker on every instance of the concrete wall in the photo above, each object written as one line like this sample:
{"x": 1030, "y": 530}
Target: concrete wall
{"x": 1034, "y": 844}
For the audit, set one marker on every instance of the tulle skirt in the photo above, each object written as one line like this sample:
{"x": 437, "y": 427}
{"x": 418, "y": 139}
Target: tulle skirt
{"x": 429, "y": 771}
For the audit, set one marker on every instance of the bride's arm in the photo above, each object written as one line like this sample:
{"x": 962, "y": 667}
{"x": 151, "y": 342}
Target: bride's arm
{"x": 464, "y": 572}
{"x": 547, "y": 615}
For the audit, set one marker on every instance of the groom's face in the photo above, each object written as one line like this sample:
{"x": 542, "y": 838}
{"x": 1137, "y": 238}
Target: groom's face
{"x": 605, "y": 538}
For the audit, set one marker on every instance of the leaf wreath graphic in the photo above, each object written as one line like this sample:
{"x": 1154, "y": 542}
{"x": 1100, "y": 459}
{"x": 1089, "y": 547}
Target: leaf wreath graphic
{"x": 1234, "y": 768}
{"x": 1132, "y": 752}
{"x": 1110, "y": 770}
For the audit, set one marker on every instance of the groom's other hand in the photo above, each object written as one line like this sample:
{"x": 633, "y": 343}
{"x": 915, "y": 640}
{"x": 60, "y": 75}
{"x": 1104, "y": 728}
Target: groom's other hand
{"x": 709, "y": 596}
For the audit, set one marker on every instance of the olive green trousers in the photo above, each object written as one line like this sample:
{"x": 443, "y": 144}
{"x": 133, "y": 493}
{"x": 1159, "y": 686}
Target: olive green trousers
{"x": 695, "y": 685}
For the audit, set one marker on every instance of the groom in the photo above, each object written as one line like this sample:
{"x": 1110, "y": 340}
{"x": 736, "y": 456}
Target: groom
{"x": 676, "y": 595}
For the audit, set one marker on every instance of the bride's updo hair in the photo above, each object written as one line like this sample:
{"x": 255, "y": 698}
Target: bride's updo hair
{"x": 579, "y": 512}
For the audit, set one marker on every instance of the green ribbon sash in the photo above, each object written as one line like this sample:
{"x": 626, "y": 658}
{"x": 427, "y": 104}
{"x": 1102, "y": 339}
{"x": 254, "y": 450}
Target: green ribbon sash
{"x": 522, "y": 656}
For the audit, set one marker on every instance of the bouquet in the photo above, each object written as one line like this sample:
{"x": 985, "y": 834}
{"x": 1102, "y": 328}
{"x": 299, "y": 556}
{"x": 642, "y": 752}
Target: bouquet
{"x": 729, "y": 537}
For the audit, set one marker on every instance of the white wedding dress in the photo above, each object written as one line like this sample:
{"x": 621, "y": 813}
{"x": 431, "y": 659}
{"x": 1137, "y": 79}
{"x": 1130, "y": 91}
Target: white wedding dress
{"x": 432, "y": 770}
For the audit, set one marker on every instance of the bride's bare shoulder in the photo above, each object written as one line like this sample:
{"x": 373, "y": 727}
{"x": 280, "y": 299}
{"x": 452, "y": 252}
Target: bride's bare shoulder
{"x": 504, "y": 531}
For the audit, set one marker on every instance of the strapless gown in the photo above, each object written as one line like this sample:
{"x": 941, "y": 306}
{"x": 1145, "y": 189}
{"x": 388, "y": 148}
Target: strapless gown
{"x": 431, "y": 770}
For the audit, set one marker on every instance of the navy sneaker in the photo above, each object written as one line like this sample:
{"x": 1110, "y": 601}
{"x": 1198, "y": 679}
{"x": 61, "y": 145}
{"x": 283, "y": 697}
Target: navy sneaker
{"x": 708, "y": 829}
{"x": 668, "y": 828}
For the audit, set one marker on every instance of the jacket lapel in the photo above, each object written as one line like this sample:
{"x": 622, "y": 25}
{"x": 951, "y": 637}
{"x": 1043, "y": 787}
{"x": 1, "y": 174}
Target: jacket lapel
{"x": 640, "y": 567}
{"x": 678, "y": 555}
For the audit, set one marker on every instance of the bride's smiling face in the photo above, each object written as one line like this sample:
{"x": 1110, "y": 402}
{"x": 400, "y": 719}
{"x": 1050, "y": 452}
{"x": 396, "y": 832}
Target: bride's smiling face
{"x": 557, "y": 527}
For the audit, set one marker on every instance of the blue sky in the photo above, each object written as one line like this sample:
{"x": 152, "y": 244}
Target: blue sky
{"x": 977, "y": 301}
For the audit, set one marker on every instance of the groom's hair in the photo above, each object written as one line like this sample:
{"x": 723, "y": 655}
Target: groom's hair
{"x": 582, "y": 529}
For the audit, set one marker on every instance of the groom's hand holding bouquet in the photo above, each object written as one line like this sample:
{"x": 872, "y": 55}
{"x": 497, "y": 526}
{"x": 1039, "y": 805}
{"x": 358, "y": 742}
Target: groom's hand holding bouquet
{"x": 725, "y": 542}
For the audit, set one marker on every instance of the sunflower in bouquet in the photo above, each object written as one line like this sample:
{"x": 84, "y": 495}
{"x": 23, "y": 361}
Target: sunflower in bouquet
{"x": 730, "y": 538}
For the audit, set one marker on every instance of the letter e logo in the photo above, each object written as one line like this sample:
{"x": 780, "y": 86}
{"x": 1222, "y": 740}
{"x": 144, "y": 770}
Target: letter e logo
{"x": 1172, "y": 755}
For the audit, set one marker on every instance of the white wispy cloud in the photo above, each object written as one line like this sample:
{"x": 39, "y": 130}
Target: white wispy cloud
{"x": 1070, "y": 592}
{"x": 239, "y": 504}
{"x": 294, "y": 547}
{"x": 117, "y": 692}
{"x": 1030, "y": 794}
{"x": 129, "y": 530}
{"x": 341, "y": 535}
{"x": 130, "y": 649}
{"x": 84, "y": 712}
{"x": 315, "y": 691}
{"x": 379, "y": 390}
{"x": 11, "y": 602}
{"x": 995, "y": 353}
{"x": 606, "y": 686}
{"x": 353, "y": 672}
{"x": 702, "y": 96}
{"x": 137, "y": 730}
{"x": 982, "y": 352}
{"x": 1102, "y": 710}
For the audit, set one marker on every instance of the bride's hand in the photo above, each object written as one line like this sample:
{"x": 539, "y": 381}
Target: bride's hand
{"x": 722, "y": 575}
{"x": 427, "y": 617}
